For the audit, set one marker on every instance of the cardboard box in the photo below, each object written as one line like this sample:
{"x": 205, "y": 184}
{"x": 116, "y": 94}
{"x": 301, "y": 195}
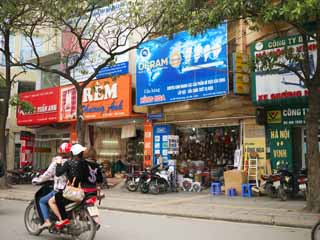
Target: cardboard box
{"x": 235, "y": 179}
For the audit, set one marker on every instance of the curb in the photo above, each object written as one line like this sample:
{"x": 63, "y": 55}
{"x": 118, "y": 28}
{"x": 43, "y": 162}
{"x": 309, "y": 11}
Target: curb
{"x": 271, "y": 223}
{"x": 191, "y": 216}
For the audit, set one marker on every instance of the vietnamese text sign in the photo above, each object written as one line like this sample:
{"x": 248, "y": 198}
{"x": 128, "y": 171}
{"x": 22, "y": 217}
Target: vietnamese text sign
{"x": 280, "y": 83}
{"x": 184, "y": 68}
{"x": 46, "y": 107}
{"x": 240, "y": 73}
{"x": 103, "y": 98}
{"x": 287, "y": 116}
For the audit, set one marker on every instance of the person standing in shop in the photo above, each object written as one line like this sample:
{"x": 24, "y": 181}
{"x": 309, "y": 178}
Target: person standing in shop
{"x": 159, "y": 160}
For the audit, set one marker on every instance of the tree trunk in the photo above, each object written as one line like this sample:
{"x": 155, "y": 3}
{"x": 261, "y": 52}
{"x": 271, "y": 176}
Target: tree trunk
{"x": 80, "y": 127}
{"x": 5, "y": 104}
{"x": 313, "y": 156}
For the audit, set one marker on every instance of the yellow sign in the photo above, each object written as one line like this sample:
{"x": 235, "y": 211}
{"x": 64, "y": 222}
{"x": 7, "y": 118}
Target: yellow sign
{"x": 241, "y": 73}
{"x": 274, "y": 116}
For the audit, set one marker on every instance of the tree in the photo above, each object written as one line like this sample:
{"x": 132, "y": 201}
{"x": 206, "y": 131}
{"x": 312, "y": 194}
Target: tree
{"x": 301, "y": 16}
{"x": 112, "y": 31}
{"x": 14, "y": 15}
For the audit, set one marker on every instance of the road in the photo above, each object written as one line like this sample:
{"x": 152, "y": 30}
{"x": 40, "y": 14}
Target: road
{"x": 127, "y": 226}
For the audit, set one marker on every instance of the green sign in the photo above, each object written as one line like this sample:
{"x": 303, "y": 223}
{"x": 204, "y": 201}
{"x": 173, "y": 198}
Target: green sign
{"x": 278, "y": 84}
{"x": 280, "y": 147}
{"x": 287, "y": 116}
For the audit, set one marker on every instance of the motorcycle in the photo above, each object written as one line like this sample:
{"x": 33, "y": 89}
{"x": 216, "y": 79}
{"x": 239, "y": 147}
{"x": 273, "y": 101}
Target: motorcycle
{"x": 83, "y": 216}
{"x": 161, "y": 181}
{"x": 271, "y": 184}
{"x": 132, "y": 182}
{"x": 291, "y": 184}
{"x": 20, "y": 175}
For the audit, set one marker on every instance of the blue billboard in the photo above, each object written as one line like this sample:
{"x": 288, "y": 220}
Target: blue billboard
{"x": 183, "y": 68}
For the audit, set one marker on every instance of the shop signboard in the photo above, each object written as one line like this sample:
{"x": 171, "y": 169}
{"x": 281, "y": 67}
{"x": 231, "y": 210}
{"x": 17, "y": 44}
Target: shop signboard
{"x": 46, "y": 107}
{"x": 287, "y": 116}
{"x": 241, "y": 73}
{"x": 102, "y": 99}
{"x": 161, "y": 142}
{"x": 95, "y": 55}
{"x": 280, "y": 147}
{"x": 279, "y": 83}
{"x": 184, "y": 68}
{"x": 147, "y": 155}
{"x": 155, "y": 116}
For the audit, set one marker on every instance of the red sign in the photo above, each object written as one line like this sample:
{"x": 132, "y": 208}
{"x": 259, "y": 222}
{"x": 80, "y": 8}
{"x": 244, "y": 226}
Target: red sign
{"x": 102, "y": 99}
{"x": 46, "y": 107}
{"x": 27, "y": 149}
{"x": 147, "y": 156}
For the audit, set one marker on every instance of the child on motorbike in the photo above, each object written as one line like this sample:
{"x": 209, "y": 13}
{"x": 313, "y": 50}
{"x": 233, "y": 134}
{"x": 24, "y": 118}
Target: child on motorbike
{"x": 87, "y": 173}
{"x": 59, "y": 182}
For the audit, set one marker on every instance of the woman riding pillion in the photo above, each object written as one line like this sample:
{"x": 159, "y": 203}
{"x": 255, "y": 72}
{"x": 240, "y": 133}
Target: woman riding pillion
{"x": 59, "y": 182}
{"x": 78, "y": 171}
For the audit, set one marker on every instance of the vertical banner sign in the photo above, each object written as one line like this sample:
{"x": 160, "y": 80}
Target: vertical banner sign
{"x": 73, "y": 134}
{"x": 147, "y": 156}
{"x": 184, "y": 68}
{"x": 280, "y": 147}
{"x": 27, "y": 149}
{"x": 280, "y": 83}
{"x": 161, "y": 142}
{"x": 241, "y": 73}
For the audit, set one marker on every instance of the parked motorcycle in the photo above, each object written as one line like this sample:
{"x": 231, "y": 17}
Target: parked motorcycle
{"x": 271, "y": 184}
{"x": 21, "y": 175}
{"x": 132, "y": 182}
{"x": 161, "y": 181}
{"x": 291, "y": 184}
{"x": 82, "y": 216}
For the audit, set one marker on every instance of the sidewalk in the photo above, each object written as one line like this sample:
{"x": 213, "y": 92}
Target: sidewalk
{"x": 261, "y": 210}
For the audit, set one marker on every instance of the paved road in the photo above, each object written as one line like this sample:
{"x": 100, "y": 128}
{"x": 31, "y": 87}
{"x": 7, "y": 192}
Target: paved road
{"x": 127, "y": 226}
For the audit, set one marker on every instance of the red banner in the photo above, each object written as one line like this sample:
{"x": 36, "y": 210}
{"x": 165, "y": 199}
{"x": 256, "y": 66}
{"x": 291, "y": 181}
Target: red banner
{"x": 46, "y": 107}
{"x": 147, "y": 156}
{"x": 27, "y": 149}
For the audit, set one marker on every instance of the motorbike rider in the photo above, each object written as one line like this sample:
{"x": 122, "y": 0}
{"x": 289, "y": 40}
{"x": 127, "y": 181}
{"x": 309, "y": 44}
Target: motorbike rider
{"x": 59, "y": 182}
{"x": 88, "y": 173}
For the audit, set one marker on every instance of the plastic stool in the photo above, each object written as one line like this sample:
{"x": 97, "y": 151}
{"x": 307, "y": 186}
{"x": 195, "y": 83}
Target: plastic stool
{"x": 232, "y": 192}
{"x": 246, "y": 190}
{"x": 215, "y": 188}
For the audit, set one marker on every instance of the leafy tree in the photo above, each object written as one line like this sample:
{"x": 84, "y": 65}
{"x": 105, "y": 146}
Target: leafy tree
{"x": 301, "y": 16}
{"x": 14, "y": 15}
{"x": 87, "y": 27}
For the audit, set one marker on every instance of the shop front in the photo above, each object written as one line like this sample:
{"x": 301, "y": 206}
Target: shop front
{"x": 39, "y": 148}
{"x": 283, "y": 98}
{"x": 112, "y": 128}
{"x": 196, "y": 121}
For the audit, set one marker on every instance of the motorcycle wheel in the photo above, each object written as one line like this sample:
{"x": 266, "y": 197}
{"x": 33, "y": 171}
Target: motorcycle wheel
{"x": 270, "y": 191}
{"x": 131, "y": 185}
{"x": 315, "y": 233}
{"x": 32, "y": 220}
{"x": 144, "y": 188}
{"x": 282, "y": 194}
{"x": 86, "y": 223}
{"x": 154, "y": 188}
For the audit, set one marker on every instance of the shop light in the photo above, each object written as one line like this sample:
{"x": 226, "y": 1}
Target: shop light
{"x": 109, "y": 154}
{"x": 110, "y": 142}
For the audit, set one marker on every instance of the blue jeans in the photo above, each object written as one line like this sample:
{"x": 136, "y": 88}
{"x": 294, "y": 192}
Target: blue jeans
{"x": 44, "y": 204}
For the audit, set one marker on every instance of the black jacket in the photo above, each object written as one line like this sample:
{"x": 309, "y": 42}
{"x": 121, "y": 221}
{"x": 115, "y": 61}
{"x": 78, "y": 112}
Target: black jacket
{"x": 88, "y": 173}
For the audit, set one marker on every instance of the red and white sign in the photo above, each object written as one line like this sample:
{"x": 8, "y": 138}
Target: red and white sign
{"x": 46, "y": 107}
{"x": 102, "y": 99}
{"x": 27, "y": 149}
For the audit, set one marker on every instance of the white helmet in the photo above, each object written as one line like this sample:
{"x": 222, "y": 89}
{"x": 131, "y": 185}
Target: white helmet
{"x": 77, "y": 148}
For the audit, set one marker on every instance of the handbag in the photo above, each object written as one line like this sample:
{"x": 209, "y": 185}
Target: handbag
{"x": 75, "y": 194}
